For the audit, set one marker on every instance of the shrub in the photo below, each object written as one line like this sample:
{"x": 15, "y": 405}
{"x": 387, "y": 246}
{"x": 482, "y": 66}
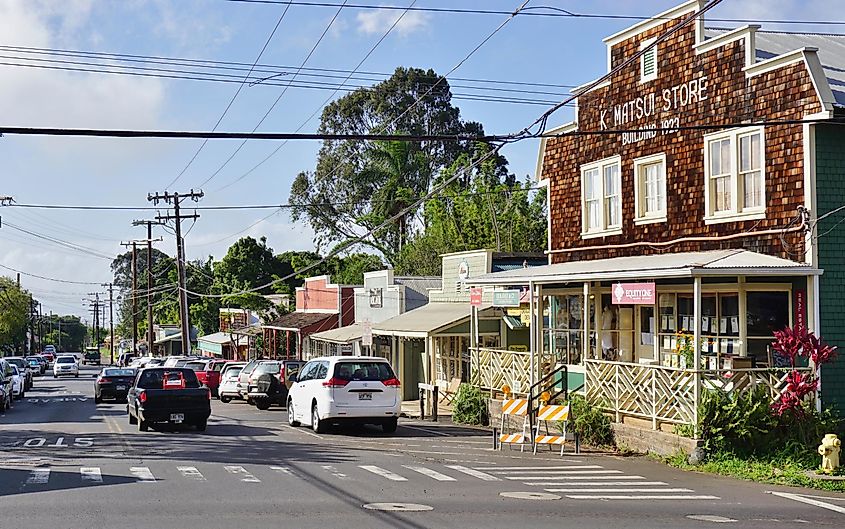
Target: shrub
{"x": 590, "y": 423}
{"x": 738, "y": 423}
{"x": 470, "y": 406}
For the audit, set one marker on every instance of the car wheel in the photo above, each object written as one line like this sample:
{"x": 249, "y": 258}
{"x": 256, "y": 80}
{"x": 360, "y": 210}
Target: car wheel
{"x": 77, "y": 375}
{"x": 132, "y": 419}
{"x": 142, "y": 426}
{"x": 291, "y": 421}
{"x": 97, "y": 399}
{"x": 389, "y": 426}
{"x": 201, "y": 426}
{"x": 225, "y": 399}
{"x": 316, "y": 424}
{"x": 262, "y": 404}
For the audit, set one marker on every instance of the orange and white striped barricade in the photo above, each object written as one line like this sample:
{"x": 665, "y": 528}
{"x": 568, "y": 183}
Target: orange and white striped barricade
{"x": 551, "y": 413}
{"x": 515, "y": 408}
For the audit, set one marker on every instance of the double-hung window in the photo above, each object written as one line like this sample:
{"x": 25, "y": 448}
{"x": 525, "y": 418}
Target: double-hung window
{"x": 650, "y": 192}
{"x": 601, "y": 185}
{"x": 735, "y": 185}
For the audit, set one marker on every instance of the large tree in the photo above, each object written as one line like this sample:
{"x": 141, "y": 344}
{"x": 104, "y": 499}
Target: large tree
{"x": 14, "y": 311}
{"x": 355, "y": 183}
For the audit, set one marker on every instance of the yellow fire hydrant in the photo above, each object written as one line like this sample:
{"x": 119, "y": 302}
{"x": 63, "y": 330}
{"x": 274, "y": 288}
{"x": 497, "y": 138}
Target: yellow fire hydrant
{"x": 829, "y": 450}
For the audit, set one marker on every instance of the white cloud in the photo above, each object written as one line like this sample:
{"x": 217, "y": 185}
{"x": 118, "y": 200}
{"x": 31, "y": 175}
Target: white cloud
{"x": 379, "y": 21}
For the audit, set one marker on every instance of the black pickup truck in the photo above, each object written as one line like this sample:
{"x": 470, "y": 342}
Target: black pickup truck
{"x": 168, "y": 395}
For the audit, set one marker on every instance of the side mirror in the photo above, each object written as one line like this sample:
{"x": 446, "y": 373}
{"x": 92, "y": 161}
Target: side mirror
{"x": 293, "y": 377}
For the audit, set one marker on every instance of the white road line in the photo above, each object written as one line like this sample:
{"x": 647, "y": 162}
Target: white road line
{"x": 605, "y": 484}
{"x": 575, "y": 478}
{"x": 283, "y": 470}
{"x": 568, "y": 467}
{"x": 383, "y": 473}
{"x": 303, "y": 430}
{"x": 809, "y": 501}
{"x": 191, "y": 473}
{"x": 38, "y": 476}
{"x": 143, "y": 474}
{"x": 91, "y": 474}
{"x": 563, "y": 475}
{"x": 244, "y": 473}
{"x": 628, "y": 491}
{"x": 474, "y": 473}
{"x": 335, "y": 472}
{"x": 426, "y": 431}
{"x": 639, "y": 497}
{"x": 433, "y": 474}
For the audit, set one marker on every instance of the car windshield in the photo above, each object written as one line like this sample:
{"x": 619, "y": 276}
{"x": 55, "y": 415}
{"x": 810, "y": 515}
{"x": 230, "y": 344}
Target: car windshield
{"x": 273, "y": 368}
{"x": 232, "y": 372}
{"x": 154, "y": 378}
{"x": 14, "y": 370}
{"x": 118, "y": 372}
{"x": 65, "y": 360}
{"x": 364, "y": 370}
{"x": 18, "y": 362}
{"x": 218, "y": 366}
{"x": 196, "y": 366}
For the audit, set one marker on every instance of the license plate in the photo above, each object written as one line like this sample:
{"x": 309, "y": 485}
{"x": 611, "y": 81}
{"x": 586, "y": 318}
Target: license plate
{"x": 120, "y": 388}
{"x": 365, "y": 396}
{"x": 177, "y": 417}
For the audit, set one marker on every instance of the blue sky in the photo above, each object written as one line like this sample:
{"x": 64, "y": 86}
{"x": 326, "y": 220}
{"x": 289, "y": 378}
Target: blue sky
{"x": 121, "y": 172}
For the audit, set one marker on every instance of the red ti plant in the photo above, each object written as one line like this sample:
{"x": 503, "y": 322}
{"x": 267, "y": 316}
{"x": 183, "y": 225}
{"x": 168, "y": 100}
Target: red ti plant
{"x": 793, "y": 343}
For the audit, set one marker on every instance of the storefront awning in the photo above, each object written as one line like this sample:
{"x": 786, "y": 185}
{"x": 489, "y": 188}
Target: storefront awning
{"x": 669, "y": 265}
{"x": 421, "y": 322}
{"x": 296, "y": 321}
{"x": 343, "y": 335}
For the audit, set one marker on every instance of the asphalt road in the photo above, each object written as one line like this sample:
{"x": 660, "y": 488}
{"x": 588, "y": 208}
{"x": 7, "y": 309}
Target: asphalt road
{"x": 68, "y": 463}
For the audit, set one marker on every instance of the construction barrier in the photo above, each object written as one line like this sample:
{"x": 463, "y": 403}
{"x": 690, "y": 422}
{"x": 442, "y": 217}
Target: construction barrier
{"x": 515, "y": 408}
{"x": 551, "y": 413}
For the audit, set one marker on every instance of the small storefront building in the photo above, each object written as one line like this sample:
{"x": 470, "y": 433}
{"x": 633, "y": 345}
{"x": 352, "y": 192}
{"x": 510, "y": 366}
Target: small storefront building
{"x": 228, "y": 346}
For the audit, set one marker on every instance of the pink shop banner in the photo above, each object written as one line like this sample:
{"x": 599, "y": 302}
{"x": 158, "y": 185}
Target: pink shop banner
{"x": 634, "y": 294}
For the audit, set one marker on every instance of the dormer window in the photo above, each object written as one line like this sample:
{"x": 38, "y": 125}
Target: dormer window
{"x": 648, "y": 62}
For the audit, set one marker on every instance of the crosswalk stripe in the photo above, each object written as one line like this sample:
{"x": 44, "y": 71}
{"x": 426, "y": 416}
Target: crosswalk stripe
{"x": 538, "y": 469}
{"x": 620, "y": 490}
{"x": 244, "y": 473}
{"x": 565, "y": 475}
{"x": 606, "y": 484}
{"x": 474, "y": 473}
{"x": 574, "y": 478}
{"x": 91, "y": 474}
{"x": 143, "y": 474}
{"x": 38, "y": 476}
{"x": 383, "y": 473}
{"x": 430, "y": 473}
{"x": 282, "y": 470}
{"x": 639, "y": 497}
{"x": 191, "y": 473}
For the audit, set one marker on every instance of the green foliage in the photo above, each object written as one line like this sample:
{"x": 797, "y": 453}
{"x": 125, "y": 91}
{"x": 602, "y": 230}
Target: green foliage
{"x": 741, "y": 422}
{"x": 14, "y": 308}
{"x": 590, "y": 423}
{"x": 470, "y": 406}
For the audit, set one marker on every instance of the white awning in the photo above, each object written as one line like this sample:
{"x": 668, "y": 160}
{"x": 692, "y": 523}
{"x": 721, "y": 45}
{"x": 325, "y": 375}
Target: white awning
{"x": 348, "y": 334}
{"x": 421, "y": 322}
{"x": 222, "y": 338}
{"x": 669, "y": 265}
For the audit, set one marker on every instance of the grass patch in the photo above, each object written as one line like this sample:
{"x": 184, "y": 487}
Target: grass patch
{"x": 778, "y": 469}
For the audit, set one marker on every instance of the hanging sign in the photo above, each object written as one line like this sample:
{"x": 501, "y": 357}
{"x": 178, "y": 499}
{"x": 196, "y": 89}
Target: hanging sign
{"x": 475, "y": 295}
{"x": 633, "y": 293}
{"x": 506, "y": 298}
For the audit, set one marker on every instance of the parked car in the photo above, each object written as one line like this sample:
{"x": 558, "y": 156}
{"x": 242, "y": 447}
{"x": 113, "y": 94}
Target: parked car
{"x": 228, "y": 388}
{"x": 41, "y": 362}
{"x": 124, "y": 359}
{"x": 154, "y": 362}
{"x": 48, "y": 356}
{"x": 345, "y": 389}
{"x": 243, "y": 377}
{"x": 168, "y": 395}
{"x": 208, "y": 372}
{"x": 268, "y": 383}
{"x": 113, "y": 383}
{"x": 92, "y": 356}
{"x": 65, "y": 365}
{"x": 34, "y": 366}
{"x": 18, "y": 383}
{"x": 24, "y": 369}
{"x": 5, "y": 385}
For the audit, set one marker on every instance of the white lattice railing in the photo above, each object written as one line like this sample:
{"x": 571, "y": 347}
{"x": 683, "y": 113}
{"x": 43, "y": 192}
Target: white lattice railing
{"x": 491, "y": 369}
{"x": 667, "y": 394}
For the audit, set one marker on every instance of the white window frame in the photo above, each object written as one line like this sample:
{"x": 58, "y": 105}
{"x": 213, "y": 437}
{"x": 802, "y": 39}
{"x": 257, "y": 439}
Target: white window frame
{"x": 737, "y": 212}
{"x": 640, "y": 216}
{"x": 603, "y": 230}
{"x": 644, "y": 78}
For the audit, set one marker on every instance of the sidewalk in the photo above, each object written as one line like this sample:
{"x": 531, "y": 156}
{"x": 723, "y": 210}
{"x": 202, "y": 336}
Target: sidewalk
{"x": 411, "y": 410}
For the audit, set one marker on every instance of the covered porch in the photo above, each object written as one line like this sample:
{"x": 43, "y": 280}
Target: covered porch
{"x": 627, "y": 328}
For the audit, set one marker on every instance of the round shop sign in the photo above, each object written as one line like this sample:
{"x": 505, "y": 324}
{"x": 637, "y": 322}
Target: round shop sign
{"x": 463, "y": 270}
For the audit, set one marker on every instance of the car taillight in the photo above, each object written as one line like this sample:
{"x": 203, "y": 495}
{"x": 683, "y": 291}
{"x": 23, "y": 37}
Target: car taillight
{"x": 142, "y": 397}
{"x": 103, "y": 381}
{"x": 392, "y": 382}
{"x": 335, "y": 382}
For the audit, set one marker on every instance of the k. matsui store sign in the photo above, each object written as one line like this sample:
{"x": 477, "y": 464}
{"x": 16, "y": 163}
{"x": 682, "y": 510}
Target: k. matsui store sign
{"x": 633, "y": 294}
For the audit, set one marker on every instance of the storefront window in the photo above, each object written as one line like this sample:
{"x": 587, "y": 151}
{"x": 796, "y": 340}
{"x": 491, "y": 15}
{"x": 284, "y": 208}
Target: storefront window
{"x": 766, "y": 312}
{"x": 719, "y": 325}
{"x": 564, "y": 336}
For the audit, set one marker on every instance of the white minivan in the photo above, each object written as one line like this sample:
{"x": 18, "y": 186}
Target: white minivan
{"x": 335, "y": 389}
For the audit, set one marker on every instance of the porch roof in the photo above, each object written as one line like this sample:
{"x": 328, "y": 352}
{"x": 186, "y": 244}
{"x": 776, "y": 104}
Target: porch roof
{"x": 668, "y": 265}
{"x": 296, "y": 321}
{"x": 348, "y": 334}
{"x": 423, "y": 321}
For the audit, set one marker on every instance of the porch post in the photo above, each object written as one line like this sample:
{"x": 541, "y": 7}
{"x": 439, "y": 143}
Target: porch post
{"x": 532, "y": 341}
{"x": 538, "y": 336}
{"x": 814, "y": 324}
{"x": 743, "y": 318}
{"x": 696, "y": 341}
{"x": 585, "y": 341}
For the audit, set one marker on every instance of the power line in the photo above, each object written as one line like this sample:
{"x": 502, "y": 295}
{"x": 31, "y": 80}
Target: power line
{"x": 72, "y": 246}
{"x": 48, "y": 278}
{"x": 232, "y": 101}
{"x": 537, "y": 11}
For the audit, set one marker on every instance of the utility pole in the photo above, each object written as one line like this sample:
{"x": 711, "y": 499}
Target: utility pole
{"x": 150, "y": 333}
{"x": 134, "y": 245}
{"x": 96, "y": 310}
{"x": 110, "y": 286}
{"x": 176, "y": 199}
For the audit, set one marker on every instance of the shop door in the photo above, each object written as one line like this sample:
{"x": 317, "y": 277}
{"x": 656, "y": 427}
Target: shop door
{"x": 645, "y": 333}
